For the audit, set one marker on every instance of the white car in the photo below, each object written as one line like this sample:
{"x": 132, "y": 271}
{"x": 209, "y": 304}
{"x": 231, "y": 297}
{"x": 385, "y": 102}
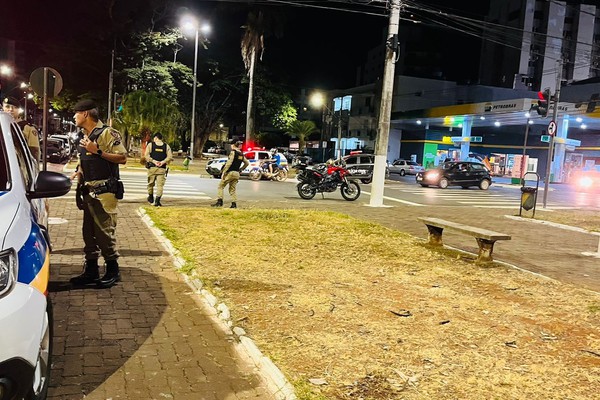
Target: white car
{"x": 25, "y": 310}
{"x": 255, "y": 157}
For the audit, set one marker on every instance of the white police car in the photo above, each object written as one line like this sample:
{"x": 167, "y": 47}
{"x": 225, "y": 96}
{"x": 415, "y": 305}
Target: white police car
{"x": 255, "y": 157}
{"x": 25, "y": 310}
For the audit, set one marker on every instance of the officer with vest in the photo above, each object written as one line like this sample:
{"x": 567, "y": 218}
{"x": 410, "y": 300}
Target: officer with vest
{"x": 230, "y": 174}
{"x": 12, "y": 106}
{"x": 100, "y": 153}
{"x": 158, "y": 156}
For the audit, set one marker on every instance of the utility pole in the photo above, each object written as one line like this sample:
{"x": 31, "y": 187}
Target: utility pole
{"x": 339, "y": 141}
{"x": 554, "y": 117}
{"x": 385, "y": 110}
{"x": 110, "y": 88}
{"x": 523, "y": 162}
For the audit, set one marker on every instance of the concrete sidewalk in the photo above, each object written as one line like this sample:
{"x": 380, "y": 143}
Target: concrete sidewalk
{"x": 150, "y": 336}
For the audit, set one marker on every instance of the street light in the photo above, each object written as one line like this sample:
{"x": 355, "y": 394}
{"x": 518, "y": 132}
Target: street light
{"x": 190, "y": 24}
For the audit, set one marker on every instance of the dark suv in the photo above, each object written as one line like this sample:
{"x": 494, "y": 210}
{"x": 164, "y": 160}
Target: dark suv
{"x": 456, "y": 173}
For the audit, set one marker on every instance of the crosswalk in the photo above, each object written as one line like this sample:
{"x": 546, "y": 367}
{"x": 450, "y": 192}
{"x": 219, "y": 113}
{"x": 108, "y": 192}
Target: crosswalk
{"x": 472, "y": 198}
{"x": 136, "y": 189}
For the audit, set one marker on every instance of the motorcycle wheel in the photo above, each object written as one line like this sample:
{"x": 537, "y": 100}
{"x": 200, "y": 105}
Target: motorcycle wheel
{"x": 350, "y": 190}
{"x": 306, "y": 191}
{"x": 281, "y": 175}
{"x": 255, "y": 175}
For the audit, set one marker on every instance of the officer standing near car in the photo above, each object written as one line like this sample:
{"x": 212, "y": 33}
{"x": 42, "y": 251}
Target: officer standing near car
{"x": 100, "y": 153}
{"x": 12, "y": 106}
{"x": 230, "y": 175}
{"x": 158, "y": 156}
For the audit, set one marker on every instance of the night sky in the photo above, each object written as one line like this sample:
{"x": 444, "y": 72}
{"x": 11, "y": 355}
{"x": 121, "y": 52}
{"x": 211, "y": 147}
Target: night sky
{"x": 318, "y": 48}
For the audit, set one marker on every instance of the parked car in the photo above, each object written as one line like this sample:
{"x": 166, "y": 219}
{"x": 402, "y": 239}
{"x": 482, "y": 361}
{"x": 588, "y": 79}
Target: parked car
{"x": 55, "y": 152}
{"x": 25, "y": 309}
{"x": 456, "y": 173}
{"x": 361, "y": 166}
{"x": 68, "y": 144}
{"x": 404, "y": 167}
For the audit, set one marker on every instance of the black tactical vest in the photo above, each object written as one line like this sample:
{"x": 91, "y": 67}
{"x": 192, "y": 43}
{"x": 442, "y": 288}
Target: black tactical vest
{"x": 158, "y": 153}
{"x": 238, "y": 159}
{"x": 94, "y": 167}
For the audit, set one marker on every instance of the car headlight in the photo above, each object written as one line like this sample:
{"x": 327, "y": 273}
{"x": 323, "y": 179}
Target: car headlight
{"x": 8, "y": 271}
{"x": 432, "y": 175}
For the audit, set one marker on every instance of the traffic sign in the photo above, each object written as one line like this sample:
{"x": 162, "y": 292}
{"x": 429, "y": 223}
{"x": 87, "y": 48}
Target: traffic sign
{"x": 552, "y": 128}
{"x": 473, "y": 139}
{"x": 545, "y": 138}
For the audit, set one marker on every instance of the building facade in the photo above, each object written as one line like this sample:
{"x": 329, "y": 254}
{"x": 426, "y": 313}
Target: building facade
{"x": 527, "y": 41}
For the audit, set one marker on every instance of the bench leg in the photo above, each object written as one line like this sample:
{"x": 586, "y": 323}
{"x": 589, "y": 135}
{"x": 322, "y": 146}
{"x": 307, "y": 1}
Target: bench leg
{"x": 435, "y": 235}
{"x": 486, "y": 247}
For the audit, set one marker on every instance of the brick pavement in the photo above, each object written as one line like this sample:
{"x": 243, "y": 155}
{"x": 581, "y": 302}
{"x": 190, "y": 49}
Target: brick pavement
{"x": 149, "y": 337}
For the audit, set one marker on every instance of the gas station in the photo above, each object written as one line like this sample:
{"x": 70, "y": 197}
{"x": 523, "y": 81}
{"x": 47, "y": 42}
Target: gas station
{"x": 512, "y": 134}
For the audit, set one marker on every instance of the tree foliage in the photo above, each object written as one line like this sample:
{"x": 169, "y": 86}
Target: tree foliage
{"x": 301, "y": 130}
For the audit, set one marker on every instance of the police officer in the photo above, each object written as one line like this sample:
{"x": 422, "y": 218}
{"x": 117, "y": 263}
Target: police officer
{"x": 230, "y": 174}
{"x": 12, "y": 106}
{"x": 100, "y": 153}
{"x": 158, "y": 156}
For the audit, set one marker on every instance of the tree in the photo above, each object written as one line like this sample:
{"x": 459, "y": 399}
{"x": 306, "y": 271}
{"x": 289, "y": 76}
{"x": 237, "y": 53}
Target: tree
{"x": 145, "y": 113}
{"x": 301, "y": 130}
{"x": 258, "y": 25}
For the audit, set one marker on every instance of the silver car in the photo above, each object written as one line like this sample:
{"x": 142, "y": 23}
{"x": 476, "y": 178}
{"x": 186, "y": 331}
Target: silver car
{"x": 404, "y": 167}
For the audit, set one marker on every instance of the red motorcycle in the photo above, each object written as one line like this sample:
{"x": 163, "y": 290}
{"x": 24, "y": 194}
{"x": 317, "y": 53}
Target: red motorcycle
{"x": 325, "y": 178}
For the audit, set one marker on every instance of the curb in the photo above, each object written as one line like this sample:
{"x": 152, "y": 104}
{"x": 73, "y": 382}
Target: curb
{"x": 276, "y": 381}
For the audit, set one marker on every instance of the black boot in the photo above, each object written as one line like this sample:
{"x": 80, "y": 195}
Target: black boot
{"x": 157, "y": 202}
{"x": 150, "y": 198}
{"x": 89, "y": 276}
{"x": 233, "y": 205}
{"x": 111, "y": 277}
{"x": 219, "y": 203}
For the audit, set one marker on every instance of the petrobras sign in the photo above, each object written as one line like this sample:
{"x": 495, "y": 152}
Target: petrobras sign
{"x": 504, "y": 106}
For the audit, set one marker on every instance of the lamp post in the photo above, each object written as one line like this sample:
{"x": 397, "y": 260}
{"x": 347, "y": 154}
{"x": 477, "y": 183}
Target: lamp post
{"x": 189, "y": 24}
{"x": 318, "y": 100}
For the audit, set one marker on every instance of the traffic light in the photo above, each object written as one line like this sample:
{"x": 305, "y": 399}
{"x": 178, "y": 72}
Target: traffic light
{"x": 543, "y": 102}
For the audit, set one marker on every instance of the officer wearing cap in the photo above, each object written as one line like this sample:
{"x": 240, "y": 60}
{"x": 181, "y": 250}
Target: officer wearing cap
{"x": 158, "y": 156}
{"x": 13, "y": 107}
{"x": 230, "y": 174}
{"x": 100, "y": 153}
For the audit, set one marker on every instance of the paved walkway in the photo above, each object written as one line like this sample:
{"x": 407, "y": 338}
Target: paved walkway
{"x": 149, "y": 337}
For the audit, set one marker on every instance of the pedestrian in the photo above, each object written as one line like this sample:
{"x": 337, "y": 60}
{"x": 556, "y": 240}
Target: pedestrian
{"x": 230, "y": 174}
{"x": 100, "y": 153}
{"x": 13, "y": 107}
{"x": 158, "y": 157}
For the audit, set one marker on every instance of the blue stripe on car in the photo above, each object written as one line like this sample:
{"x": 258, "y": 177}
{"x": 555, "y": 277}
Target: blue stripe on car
{"x": 32, "y": 255}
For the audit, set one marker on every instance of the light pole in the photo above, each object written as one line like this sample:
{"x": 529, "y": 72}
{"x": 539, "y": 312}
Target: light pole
{"x": 189, "y": 23}
{"x": 318, "y": 100}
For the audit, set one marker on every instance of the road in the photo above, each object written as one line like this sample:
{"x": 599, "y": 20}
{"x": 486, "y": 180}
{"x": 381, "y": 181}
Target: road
{"x": 398, "y": 190}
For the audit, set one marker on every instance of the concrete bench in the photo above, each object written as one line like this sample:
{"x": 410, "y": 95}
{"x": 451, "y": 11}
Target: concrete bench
{"x": 485, "y": 238}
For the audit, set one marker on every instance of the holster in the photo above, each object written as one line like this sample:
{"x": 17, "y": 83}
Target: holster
{"x": 79, "y": 192}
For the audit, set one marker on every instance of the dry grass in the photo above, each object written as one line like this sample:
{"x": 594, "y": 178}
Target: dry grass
{"x": 376, "y": 314}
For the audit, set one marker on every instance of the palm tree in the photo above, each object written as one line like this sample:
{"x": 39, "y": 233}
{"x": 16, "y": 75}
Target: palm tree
{"x": 302, "y": 130}
{"x": 257, "y": 27}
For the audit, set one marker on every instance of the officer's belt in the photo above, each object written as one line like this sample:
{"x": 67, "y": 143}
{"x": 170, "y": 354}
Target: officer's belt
{"x": 96, "y": 188}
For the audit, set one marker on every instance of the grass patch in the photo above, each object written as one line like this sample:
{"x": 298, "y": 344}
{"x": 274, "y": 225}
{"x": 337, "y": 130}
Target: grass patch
{"x": 585, "y": 219}
{"x": 379, "y": 315}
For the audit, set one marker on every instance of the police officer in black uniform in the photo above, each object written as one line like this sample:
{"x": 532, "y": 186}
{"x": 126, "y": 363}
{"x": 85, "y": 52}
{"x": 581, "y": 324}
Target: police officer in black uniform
{"x": 100, "y": 153}
{"x": 158, "y": 156}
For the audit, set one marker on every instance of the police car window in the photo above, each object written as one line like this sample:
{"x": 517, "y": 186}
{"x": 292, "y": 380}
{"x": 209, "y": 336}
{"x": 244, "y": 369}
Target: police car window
{"x": 263, "y": 156}
{"x": 352, "y": 160}
{"x": 24, "y": 157}
{"x": 4, "y": 171}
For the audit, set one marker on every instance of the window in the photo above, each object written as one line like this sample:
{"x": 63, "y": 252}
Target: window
{"x": 477, "y": 167}
{"x": 24, "y": 157}
{"x": 4, "y": 171}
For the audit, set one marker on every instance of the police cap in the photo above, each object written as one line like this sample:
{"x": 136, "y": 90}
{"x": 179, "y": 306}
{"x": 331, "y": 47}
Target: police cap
{"x": 11, "y": 101}
{"x": 84, "y": 105}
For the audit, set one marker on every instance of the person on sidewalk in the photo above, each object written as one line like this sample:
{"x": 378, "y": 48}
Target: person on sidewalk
{"x": 230, "y": 174}
{"x": 12, "y": 106}
{"x": 158, "y": 156}
{"x": 100, "y": 153}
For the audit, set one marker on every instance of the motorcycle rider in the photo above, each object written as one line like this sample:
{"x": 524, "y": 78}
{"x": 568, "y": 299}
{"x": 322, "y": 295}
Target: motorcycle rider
{"x": 275, "y": 159}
